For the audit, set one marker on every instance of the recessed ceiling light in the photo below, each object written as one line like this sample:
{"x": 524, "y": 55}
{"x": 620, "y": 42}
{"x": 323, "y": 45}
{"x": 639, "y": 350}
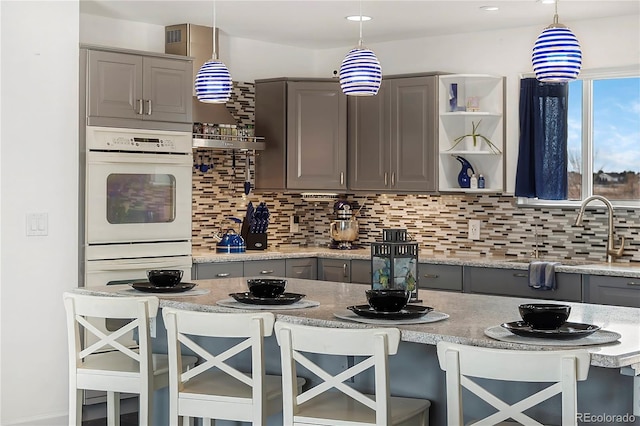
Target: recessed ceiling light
{"x": 490, "y": 8}
{"x": 356, "y": 18}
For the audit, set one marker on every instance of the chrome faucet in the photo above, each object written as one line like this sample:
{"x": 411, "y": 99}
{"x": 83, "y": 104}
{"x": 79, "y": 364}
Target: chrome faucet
{"x": 612, "y": 252}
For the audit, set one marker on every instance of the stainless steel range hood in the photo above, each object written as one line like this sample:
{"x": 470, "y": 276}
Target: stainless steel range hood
{"x": 197, "y": 41}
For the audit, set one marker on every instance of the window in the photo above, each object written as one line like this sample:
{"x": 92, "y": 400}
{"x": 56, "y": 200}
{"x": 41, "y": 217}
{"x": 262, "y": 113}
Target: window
{"x": 603, "y": 139}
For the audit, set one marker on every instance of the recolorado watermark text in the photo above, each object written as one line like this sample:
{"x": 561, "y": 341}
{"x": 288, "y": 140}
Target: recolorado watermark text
{"x": 605, "y": 418}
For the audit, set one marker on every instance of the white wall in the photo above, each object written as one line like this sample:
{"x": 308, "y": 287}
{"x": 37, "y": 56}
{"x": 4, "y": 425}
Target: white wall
{"x": 38, "y": 169}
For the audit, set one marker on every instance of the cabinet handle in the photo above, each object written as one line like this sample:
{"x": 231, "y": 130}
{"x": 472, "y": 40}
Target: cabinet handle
{"x": 266, "y": 272}
{"x": 341, "y": 178}
{"x": 140, "y": 107}
{"x": 634, "y": 283}
{"x": 393, "y": 178}
{"x": 222, "y": 274}
{"x": 520, "y": 275}
{"x": 431, "y": 275}
{"x": 149, "y": 106}
{"x": 344, "y": 269}
{"x": 386, "y": 180}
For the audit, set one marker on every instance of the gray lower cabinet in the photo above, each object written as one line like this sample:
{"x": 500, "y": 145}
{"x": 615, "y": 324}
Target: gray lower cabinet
{"x": 265, "y": 268}
{"x": 618, "y": 291}
{"x": 337, "y": 270}
{"x": 515, "y": 283}
{"x": 209, "y": 271}
{"x": 361, "y": 271}
{"x": 305, "y": 124}
{"x": 306, "y": 268}
{"x": 440, "y": 277}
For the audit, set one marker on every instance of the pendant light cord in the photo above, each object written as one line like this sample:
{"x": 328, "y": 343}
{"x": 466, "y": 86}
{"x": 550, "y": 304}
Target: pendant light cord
{"x": 360, "y": 42}
{"x": 555, "y": 16}
{"x": 214, "y": 55}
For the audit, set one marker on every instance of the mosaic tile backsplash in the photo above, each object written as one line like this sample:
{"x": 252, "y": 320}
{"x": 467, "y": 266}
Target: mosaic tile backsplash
{"x": 439, "y": 223}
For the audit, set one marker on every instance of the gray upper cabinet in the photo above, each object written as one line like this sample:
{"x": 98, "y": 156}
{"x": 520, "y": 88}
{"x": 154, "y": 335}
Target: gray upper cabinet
{"x": 305, "y": 125}
{"x": 392, "y": 137}
{"x": 125, "y": 89}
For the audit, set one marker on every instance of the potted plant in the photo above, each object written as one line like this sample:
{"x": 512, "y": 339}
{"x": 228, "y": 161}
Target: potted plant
{"x": 474, "y": 135}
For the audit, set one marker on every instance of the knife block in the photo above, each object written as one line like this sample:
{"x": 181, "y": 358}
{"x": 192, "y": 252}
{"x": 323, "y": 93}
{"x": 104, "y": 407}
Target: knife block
{"x": 253, "y": 241}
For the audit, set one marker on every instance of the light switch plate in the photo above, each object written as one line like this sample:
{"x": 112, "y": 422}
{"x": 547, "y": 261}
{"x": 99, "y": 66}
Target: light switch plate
{"x": 37, "y": 224}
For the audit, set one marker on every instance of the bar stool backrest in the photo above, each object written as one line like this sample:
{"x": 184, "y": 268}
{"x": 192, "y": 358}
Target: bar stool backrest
{"x": 563, "y": 368}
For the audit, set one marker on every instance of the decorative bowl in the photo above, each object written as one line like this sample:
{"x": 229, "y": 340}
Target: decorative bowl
{"x": 266, "y": 287}
{"x": 388, "y": 300}
{"x": 164, "y": 277}
{"x": 544, "y": 316}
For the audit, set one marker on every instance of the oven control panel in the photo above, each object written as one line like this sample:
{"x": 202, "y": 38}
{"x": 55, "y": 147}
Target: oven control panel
{"x": 138, "y": 140}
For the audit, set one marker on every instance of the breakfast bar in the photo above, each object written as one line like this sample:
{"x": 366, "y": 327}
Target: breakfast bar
{"x": 611, "y": 389}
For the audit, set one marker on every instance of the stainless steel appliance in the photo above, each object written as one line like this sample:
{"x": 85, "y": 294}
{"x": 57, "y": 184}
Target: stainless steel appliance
{"x": 136, "y": 205}
{"x": 344, "y": 230}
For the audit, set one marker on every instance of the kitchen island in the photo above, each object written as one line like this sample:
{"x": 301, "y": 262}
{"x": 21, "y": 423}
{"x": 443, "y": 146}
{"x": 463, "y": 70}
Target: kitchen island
{"x": 609, "y": 389}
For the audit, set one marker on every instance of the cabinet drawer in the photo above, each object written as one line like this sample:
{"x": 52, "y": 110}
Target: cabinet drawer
{"x": 618, "y": 291}
{"x": 206, "y": 271}
{"x": 264, "y": 268}
{"x": 302, "y": 268}
{"x": 515, "y": 283}
{"x": 440, "y": 277}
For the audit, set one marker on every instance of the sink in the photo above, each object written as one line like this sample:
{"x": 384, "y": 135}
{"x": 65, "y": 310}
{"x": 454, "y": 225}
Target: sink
{"x": 566, "y": 262}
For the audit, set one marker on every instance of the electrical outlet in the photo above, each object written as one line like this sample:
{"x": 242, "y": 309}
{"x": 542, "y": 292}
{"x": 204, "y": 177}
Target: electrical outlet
{"x": 474, "y": 229}
{"x": 294, "y": 224}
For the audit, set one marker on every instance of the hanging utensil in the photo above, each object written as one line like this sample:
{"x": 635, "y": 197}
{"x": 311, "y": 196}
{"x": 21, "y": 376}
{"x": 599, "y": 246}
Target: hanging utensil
{"x": 233, "y": 169}
{"x": 247, "y": 174}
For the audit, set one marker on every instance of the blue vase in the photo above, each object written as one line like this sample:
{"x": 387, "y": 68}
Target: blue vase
{"x": 464, "y": 177}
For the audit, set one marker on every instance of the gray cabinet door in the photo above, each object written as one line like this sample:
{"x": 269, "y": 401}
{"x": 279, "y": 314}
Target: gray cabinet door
{"x": 264, "y": 268}
{"x": 413, "y": 134}
{"x": 302, "y": 268}
{"x": 167, "y": 90}
{"x": 207, "y": 271}
{"x": 271, "y": 123}
{"x": 392, "y": 137}
{"x": 514, "y": 282}
{"x": 336, "y": 270}
{"x": 440, "y": 277}
{"x": 361, "y": 271}
{"x": 316, "y": 136}
{"x": 114, "y": 85}
{"x": 122, "y": 85}
{"x": 368, "y": 140}
{"x": 618, "y": 291}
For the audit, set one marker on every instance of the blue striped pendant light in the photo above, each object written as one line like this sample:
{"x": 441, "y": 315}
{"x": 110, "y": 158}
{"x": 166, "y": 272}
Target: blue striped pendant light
{"x": 213, "y": 82}
{"x": 556, "y": 54}
{"x": 360, "y": 71}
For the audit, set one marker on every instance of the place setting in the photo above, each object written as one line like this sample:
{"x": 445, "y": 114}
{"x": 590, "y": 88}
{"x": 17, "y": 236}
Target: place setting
{"x": 164, "y": 281}
{"x": 267, "y": 294}
{"x": 390, "y": 306}
{"x": 546, "y": 324}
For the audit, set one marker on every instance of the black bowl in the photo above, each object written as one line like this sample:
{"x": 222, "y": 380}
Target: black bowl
{"x": 544, "y": 316}
{"x": 388, "y": 300}
{"x": 164, "y": 277}
{"x": 266, "y": 287}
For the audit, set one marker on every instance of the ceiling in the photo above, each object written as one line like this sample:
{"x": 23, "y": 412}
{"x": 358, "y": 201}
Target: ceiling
{"x": 320, "y": 24}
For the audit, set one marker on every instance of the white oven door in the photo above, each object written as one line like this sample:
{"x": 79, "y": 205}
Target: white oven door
{"x": 132, "y": 197}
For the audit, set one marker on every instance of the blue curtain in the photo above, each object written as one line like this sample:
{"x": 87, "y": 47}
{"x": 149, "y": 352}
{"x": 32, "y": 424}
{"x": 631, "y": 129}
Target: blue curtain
{"x": 542, "y": 157}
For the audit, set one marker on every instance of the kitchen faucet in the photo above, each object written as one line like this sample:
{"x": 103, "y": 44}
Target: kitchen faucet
{"x": 612, "y": 252}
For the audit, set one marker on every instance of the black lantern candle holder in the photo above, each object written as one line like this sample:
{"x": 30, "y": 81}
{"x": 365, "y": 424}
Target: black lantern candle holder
{"x": 394, "y": 262}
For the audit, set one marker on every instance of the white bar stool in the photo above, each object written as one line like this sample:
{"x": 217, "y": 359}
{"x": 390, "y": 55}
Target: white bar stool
{"x": 563, "y": 367}
{"x": 214, "y": 389}
{"x": 107, "y": 365}
{"x": 334, "y": 403}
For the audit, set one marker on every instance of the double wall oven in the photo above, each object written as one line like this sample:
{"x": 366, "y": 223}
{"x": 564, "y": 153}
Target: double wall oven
{"x": 136, "y": 205}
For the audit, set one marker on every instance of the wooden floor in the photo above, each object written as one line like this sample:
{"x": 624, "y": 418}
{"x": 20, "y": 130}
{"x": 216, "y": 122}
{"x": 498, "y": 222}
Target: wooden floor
{"x": 130, "y": 419}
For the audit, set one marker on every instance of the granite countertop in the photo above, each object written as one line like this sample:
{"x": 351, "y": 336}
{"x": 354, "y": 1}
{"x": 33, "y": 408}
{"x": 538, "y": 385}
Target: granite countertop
{"x": 470, "y": 315}
{"x": 631, "y": 270}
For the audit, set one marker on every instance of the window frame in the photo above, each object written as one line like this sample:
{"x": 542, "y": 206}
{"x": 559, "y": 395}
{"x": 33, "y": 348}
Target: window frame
{"x": 587, "y": 139}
